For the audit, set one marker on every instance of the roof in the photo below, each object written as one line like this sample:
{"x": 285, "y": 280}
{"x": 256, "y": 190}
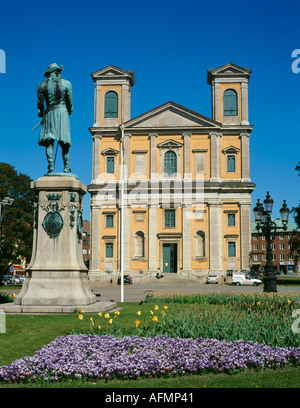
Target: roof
{"x": 291, "y": 227}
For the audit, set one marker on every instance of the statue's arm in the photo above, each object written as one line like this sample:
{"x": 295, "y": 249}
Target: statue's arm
{"x": 69, "y": 98}
{"x": 40, "y": 102}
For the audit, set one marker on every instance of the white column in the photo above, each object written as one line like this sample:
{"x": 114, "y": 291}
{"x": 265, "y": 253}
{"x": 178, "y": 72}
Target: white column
{"x": 126, "y": 238}
{"x": 245, "y": 156}
{"x": 96, "y": 157}
{"x": 186, "y": 239}
{"x": 152, "y": 238}
{"x": 215, "y": 237}
{"x": 127, "y": 137}
{"x": 245, "y": 222}
{"x": 186, "y": 155}
{"x": 215, "y": 156}
{"x": 153, "y": 137}
{"x": 95, "y": 240}
{"x": 244, "y": 103}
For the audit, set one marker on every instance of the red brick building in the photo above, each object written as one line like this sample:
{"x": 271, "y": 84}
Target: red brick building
{"x": 284, "y": 262}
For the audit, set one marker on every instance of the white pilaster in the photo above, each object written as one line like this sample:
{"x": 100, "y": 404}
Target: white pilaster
{"x": 215, "y": 238}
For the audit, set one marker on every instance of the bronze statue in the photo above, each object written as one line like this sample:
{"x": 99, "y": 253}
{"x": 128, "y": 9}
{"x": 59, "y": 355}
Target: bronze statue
{"x": 56, "y": 92}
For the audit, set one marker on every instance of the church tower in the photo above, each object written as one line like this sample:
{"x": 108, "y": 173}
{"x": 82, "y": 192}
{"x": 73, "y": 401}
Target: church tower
{"x": 229, "y": 87}
{"x": 112, "y": 96}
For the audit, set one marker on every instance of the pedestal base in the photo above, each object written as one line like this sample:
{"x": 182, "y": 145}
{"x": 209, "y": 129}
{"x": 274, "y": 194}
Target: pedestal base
{"x": 48, "y": 288}
{"x": 96, "y": 307}
{"x": 56, "y": 276}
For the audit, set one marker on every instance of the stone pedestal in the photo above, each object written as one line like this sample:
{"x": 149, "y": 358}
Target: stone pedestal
{"x": 56, "y": 274}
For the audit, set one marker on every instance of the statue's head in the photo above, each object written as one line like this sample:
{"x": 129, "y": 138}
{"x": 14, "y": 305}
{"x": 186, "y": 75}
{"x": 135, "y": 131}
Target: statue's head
{"x": 53, "y": 68}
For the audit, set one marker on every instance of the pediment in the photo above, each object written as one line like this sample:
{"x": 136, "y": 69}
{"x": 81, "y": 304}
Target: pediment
{"x": 231, "y": 150}
{"x": 112, "y": 72}
{"x": 110, "y": 152}
{"x": 169, "y": 144}
{"x": 171, "y": 115}
{"x": 228, "y": 70}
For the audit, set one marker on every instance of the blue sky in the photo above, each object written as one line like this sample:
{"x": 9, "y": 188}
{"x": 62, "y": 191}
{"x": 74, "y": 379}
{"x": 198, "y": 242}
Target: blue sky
{"x": 170, "y": 45}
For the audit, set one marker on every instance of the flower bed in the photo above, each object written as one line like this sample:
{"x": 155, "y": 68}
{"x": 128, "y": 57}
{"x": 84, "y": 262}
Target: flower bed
{"x": 95, "y": 357}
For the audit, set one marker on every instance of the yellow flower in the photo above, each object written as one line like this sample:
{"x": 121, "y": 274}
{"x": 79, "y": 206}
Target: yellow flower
{"x": 80, "y": 317}
{"x": 100, "y": 314}
{"x": 99, "y": 327}
{"x": 106, "y": 315}
{"x": 155, "y": 318}
{"x": 166, "y": 307}
{"x": 92, "y": 321}
{"x": 117, "y": 313}
{"x": 110, "y": 321}
{"x": 139, "y": 313}
{"x": 137, "y": 322}
{"x": 82, "y": 311}
{"x": 151, "y": 312}
{"x": 156, "y": 307}
{"x": 163, "y": 313}
{"x": 13, "y": 295}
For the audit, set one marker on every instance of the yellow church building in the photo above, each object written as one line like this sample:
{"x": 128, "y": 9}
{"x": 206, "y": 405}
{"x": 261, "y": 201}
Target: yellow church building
{"x": 184, "y": 180}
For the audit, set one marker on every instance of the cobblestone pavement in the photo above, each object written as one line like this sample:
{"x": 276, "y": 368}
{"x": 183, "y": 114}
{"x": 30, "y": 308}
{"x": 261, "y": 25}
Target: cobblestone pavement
{"x": 136, "y": 292}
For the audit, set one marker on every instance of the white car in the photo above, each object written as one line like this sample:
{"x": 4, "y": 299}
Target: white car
{"x": 212, "y": 279}
{"x": 245, "y": 280}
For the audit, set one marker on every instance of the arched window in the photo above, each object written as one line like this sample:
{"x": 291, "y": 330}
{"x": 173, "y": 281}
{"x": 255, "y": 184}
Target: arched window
{"x": 111, "y": 105}
{"x": 170, "y": 163}
{"x": 200, "y": 245}
{"x": 139, "y": 244}
{"x": 230, "y": 103}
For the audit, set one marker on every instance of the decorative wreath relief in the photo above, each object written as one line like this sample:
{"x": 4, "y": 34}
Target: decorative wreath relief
{"x": 53, "y": 221}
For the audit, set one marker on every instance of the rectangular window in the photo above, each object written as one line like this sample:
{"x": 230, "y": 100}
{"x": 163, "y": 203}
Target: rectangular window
{"x": 282, "y": 257}
{"x": 255, "y": 247}
{"x": 231, "y": 249}
{"x": 109, "y": 221}
{"x": 255, "y": 257}
{"x": 281, "y": 246}
{"x": 109, "y": 250}
{"x": 231, "y": 220}
{"x": 230, "y": 164}
{"x": 110, "y": 165}
{"x": 169, "y": 218}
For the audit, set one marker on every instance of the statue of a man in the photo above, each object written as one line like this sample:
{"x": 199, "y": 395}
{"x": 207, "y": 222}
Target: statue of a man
{"x": 56, "y": 92}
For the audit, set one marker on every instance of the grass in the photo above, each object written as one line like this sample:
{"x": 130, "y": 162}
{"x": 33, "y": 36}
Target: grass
{"x": 27, "y": 333}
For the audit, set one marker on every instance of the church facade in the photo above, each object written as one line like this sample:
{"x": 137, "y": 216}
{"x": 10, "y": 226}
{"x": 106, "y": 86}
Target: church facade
{"x": 182, "y": 180}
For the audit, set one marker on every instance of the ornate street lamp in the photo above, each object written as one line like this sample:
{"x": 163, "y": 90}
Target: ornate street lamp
{"x": 267, "y": 226}
{"x": 5, "y": 201}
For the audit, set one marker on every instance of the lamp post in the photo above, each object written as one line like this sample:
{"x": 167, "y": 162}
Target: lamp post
{"x": 5, "y": 201}
{"x": 267, "y": 226}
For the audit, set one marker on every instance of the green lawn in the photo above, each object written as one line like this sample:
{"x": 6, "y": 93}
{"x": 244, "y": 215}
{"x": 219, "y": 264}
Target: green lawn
{"x": 27, "y": 333}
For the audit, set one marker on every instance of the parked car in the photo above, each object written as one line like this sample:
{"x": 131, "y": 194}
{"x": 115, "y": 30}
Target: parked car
{"x": 245, "y": 280}
{"x": 6, "y": 280}
{"x": 18, "y": 279}
{"x": 212, "y": 279}
{"x": 126, "y": 279}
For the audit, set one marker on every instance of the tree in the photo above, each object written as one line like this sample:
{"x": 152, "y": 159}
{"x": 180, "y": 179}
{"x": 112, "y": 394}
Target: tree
{"x": 16, "y": 220}
{"x": 295, "y": 241}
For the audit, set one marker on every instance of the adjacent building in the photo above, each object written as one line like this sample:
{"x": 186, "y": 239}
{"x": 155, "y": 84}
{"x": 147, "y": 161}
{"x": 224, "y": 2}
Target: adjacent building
{"x": 284, "y": 260}
{"x": 182, "y": 180}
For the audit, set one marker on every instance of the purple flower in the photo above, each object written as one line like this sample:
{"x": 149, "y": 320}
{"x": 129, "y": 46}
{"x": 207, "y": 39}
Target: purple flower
{"x": 92, "y": 357}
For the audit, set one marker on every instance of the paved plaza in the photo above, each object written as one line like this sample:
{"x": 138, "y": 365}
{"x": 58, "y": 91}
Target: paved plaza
{"x": 136, "y": 292}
